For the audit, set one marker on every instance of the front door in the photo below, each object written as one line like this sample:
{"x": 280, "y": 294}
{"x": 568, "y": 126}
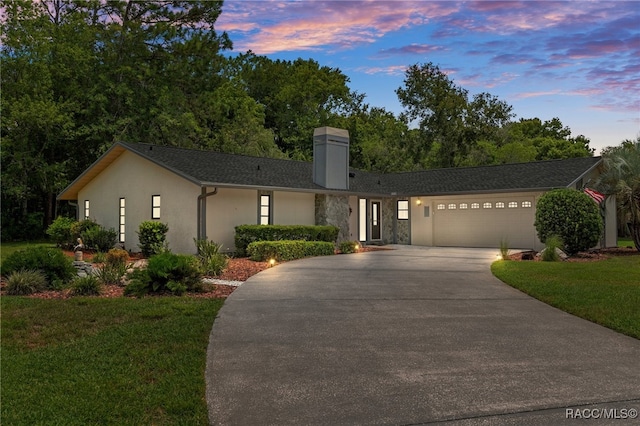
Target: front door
{"x": 375, "y": 220}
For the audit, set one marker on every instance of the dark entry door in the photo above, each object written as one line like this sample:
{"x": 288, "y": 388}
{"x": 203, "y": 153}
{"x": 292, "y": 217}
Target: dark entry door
{"x": 375, "y": 220}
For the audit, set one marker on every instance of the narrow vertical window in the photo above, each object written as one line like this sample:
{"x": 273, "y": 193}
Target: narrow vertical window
{"x": 403, "y": 209}
{"x": 121, "y": 222}
{"x": 86, "y": 209}
{"x": 362, "y": 220}
{"x": 155, "y": 207}
{"x": 265, "y": 210}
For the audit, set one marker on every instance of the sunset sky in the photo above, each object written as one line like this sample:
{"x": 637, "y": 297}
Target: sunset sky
{"x": 576, "y": 60}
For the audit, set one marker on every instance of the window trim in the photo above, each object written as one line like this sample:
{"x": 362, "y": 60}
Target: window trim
{"x": 155, "y": 206}
{"x": 261, "y": 206}
{"x": 121, "y": 220}
{"x": 403, "y": 211}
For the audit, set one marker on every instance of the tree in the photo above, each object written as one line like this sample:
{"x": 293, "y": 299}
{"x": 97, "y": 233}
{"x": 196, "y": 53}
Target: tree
{"x": 621, "y": 177}
{"x": 571, "y": 215}
{"x": 79, "y": 75}
{"x": 450, "y": 124}
{"x": 298, "y": 96}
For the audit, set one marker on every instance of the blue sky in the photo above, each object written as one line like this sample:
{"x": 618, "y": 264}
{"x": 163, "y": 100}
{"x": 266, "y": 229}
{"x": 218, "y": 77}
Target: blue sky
{"x": 576, "y": 60}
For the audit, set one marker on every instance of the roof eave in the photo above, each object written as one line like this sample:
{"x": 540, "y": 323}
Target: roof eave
{"x": 586, "y": 172}
{"x": 70, "y": 193}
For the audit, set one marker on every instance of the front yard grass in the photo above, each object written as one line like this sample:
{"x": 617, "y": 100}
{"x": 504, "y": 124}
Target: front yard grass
{"x": 105, "y": 361}
{"x": 606, "y": 292}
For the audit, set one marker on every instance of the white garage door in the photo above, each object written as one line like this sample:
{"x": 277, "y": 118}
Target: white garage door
{"x": 484, "y": 222}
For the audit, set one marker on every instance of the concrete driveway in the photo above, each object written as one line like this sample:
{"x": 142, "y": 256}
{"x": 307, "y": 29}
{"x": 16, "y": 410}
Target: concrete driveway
{"x": 405, "y": 337}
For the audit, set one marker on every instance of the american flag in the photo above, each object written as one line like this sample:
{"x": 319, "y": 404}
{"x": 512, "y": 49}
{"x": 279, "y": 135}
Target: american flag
{"x": 598, "y": 197}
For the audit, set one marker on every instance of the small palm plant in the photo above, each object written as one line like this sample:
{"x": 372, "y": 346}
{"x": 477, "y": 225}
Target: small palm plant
{"x": 621, "y": 177}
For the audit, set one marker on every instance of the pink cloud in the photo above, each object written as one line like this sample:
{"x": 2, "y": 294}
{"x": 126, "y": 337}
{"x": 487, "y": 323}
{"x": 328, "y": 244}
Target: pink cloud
{"x": 318, "y": 24}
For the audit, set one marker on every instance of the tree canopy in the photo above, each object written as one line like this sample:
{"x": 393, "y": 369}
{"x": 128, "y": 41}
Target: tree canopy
{"x": 79, "y": 75}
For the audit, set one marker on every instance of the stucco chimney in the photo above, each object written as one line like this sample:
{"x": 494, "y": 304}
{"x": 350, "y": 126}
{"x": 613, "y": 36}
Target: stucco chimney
{"x": 331, "y": 157}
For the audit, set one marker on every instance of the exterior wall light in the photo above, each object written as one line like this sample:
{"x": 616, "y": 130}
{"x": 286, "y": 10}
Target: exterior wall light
{"x": 418, "y": 202}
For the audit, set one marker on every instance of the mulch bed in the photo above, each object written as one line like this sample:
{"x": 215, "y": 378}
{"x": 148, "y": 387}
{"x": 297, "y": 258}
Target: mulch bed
{"x": 239, "y": 269}
{"x": 589, "y": 256}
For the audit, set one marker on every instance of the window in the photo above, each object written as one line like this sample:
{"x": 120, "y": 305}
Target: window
{"x": 452, "y": 206}
{"x": 513, "y": 204}
{"x": 121, "y": 227}
{"x": 526, "y": 204}
{"x": 441, "y": 207}
{"x": 486, "y": 206}
{"x": 86, "y": 209}
{"x": 265, "y": 210}
{"x": 464, "y": 206}
{"x": 155, "y": 207}
{"x": 475, "y": 205}
{"x": 499, "y": 205}
{"x": 362, "y": 225}
{"x": 403, "y": 209}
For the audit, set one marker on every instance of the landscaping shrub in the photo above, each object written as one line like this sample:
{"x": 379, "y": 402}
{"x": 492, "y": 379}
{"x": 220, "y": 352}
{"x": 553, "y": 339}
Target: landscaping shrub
{"x": 114, "y": 267}
{"x": 504, "y": 249}
{"x": 56, "y": 267}
{"x": 152, "y": 237}
{"x": 349, "y": 246}
{"x": 26, "y": 282}
{"x": 166, "y": 273}
{"x": 99, "y": 238}
{"x": 212, "y": 261}
{"x": 549, "y": 254}
{"x": 572, "y": 215}
{"x": 60, "y": 231}
{"x": 79, "y": 228}
{"x": 288, "y": 250}
{"x": 247, "y": 234}
{"x": 85, "y": 286}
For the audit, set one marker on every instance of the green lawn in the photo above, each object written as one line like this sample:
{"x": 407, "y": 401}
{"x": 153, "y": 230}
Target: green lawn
{"x": 105, "y": 361}
{"x": 606, "y": 292}
{"x": 626, "y": 242}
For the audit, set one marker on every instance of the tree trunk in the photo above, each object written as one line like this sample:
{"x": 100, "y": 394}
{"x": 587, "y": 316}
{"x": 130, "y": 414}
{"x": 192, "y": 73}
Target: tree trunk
{"x": 635, "y": 234}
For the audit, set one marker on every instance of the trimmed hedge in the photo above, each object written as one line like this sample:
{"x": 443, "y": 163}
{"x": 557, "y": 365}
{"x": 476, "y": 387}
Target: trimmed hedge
{"x": 261, "y": 251}
{"x": 247, "y": 234}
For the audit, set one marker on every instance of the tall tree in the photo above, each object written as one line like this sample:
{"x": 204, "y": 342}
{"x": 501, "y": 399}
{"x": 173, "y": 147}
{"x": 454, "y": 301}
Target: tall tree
{"x": 450, "y": 124}
{"x": 78, "y": 75}
{"x": 621, "y": 177}
{"x": 298, "y": 96}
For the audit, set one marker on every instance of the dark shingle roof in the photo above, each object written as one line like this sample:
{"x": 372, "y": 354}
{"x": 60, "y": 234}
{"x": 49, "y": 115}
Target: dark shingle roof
{"x": 215, "y": 168}
{"x": 505, "y": 177}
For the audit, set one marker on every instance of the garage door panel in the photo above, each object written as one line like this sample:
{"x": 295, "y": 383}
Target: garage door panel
{"x": 484, "y": 227}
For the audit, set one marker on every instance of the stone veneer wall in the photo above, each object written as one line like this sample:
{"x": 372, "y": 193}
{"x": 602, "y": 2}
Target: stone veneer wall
{"x": 394, "y": 231}
{"x": 333, "y": 210}
{"x": 388, "y": 208}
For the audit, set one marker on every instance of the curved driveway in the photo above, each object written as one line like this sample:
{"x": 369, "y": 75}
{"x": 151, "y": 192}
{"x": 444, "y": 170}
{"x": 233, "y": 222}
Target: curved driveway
{"x": 404, "y": 337}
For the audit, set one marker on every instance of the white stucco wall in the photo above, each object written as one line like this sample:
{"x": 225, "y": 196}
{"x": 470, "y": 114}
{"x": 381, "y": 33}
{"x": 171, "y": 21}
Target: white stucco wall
{"x": 231, "y": 207}
{"x": 227, "y": 209}
{"x": 293, "y": 208}
{"x": 136, "y": 179}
